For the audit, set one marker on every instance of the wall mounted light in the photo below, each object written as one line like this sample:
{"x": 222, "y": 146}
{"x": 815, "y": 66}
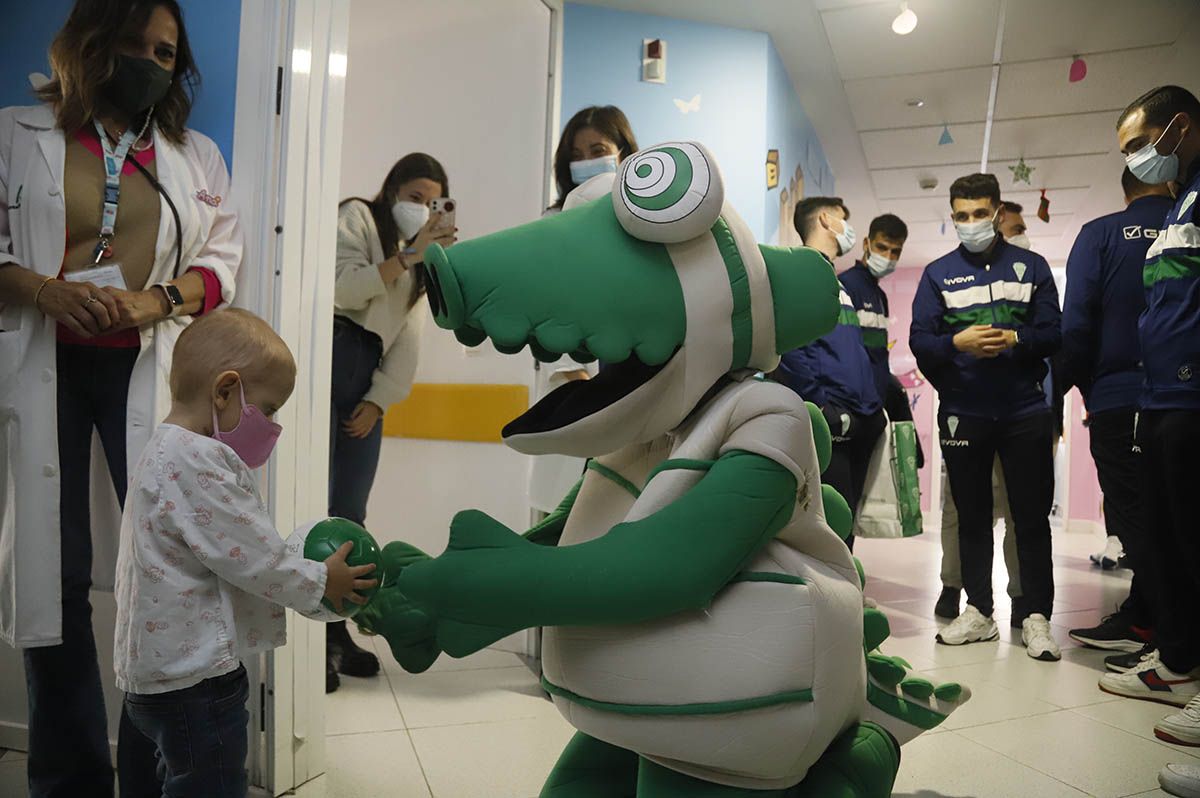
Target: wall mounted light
{"x": 905, "y": 22}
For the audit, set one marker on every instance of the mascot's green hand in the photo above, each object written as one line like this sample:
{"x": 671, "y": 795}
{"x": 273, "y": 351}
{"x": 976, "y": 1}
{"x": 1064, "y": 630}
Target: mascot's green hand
{"x": 451, "y": 587}
{"x": 404, "y": 621}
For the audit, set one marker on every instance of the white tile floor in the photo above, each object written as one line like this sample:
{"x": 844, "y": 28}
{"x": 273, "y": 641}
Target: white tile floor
{"x": 479, "y": 727}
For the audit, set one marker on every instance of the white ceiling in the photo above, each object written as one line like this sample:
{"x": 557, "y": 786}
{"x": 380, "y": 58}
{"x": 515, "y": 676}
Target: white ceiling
{"x": 853, "y": 76}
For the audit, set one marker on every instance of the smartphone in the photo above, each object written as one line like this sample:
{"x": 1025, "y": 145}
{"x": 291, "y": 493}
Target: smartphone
{"x": 446, "y": 206}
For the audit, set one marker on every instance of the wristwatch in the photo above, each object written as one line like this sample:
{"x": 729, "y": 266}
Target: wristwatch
{"x": 174, "y": 298}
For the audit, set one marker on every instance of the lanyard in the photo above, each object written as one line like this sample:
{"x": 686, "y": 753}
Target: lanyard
{"x": 114, "y": 162}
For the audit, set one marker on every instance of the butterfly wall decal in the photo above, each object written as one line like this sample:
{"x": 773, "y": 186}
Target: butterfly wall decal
{"x": 688, "y": 106}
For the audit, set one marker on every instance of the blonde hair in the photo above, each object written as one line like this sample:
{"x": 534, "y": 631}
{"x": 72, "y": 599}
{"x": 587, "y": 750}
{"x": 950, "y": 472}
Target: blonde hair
{"x": 225, "y": 340}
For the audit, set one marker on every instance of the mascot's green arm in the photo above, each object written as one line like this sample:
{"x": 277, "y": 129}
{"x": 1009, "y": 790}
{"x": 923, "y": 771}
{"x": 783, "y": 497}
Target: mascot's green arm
{"x": 491, "y": 582}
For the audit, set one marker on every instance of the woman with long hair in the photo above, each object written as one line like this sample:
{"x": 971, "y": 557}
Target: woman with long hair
{"x": 376, "y": 340}
{"x": 595, "y": 141}
{"x": 115, "y": 230}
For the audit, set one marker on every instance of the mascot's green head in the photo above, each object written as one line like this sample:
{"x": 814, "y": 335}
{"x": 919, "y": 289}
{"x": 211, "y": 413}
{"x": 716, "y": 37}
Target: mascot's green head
{"x": 660, "y": 280}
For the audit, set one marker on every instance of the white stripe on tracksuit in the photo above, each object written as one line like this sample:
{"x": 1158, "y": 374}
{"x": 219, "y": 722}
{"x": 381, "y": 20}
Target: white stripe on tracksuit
{"x": 961, "y": 298}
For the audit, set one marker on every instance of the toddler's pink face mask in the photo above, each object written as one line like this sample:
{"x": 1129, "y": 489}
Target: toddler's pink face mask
{"x": 254, "y": 437}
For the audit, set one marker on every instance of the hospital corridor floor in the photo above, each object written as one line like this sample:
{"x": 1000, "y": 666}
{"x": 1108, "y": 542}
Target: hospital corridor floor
{"x": 481, "y": 728}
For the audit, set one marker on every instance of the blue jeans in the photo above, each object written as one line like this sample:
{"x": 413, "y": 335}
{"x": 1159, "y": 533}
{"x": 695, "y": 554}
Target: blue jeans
{"x": 352, "y": 461}
{"x": 199, "y": 734}
{"x": 68, "y": 725}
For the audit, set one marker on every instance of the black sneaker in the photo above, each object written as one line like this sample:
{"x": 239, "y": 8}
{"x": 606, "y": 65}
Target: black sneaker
{"x": 332, "y": 680}
{"x": 947, "y": 603}
{"x": 1114, "y": 633}
{"x": 1123, "y": 663}
{"x": 347, "y": 657}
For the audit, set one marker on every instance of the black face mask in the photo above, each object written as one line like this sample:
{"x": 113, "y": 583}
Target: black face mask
{"x": 137, "y": 84}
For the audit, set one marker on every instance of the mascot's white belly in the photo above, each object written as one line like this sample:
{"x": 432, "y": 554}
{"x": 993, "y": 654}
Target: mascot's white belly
{"x": 750, "y": 691}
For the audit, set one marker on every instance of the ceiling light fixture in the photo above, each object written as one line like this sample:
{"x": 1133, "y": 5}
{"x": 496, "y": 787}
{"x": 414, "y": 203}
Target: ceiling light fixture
{"x": 905, "y": 22}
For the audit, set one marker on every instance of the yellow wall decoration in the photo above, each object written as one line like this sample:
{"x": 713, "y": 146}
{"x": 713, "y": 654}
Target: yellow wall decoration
{"x": 456, "y": 412}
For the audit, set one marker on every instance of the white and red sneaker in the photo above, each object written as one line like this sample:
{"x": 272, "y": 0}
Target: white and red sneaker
{"x": 1183, "y": 727}
{"x": 1153, "y": 681}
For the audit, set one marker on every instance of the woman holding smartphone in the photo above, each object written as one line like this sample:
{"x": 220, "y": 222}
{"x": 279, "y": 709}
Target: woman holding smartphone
{"x": 376, "y": 340}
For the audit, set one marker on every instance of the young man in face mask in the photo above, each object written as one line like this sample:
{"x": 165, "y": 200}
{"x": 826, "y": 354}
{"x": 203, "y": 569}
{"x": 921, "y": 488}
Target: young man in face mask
{"x": 834, "y": 372}
{"x": 881, "y": 254}
{"x": 985, "y": 317}
{"x": 1102, "y": 358}
{"x": 1011, "y": 224}
{"x": 1160, "y": 136}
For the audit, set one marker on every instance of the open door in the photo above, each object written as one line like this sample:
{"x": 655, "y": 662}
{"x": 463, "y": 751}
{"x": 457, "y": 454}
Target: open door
{"x": 291, "y": 70}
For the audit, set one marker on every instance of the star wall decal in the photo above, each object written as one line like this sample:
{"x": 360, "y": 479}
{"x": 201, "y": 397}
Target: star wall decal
{"x": 1021, "y": 172}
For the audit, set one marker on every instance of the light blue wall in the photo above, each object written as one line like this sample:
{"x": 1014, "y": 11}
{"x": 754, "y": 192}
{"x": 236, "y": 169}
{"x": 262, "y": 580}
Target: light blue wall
{"x": 602, "y": 66}
{"x": 212, "y": 26}
{"x": 790, "y": 131}
{"x": 746, "y": 101}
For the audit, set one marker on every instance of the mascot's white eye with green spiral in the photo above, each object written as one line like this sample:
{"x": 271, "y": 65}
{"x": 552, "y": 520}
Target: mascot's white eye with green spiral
{"x": 669, "y": 193}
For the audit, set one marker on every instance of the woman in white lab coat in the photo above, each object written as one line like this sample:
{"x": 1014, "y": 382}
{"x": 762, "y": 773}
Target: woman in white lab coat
{"x": 90, "y": 308}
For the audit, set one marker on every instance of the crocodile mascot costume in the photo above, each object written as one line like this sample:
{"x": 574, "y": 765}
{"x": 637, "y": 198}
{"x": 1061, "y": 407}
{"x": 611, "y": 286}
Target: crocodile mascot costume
{"x": 705, "y": 629}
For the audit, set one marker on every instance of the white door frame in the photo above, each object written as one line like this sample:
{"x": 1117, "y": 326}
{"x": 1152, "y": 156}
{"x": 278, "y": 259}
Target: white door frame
{"x": 287, "y": 144}
{"x": 533, "y": 637}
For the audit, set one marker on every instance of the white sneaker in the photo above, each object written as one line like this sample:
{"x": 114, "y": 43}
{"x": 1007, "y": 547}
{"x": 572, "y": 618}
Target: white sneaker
{"x": 1181, "y": 780}
{"x": 1112, "y": 554}
{"x": 1153, "y": 681}
{"x": 1182, "y": 728}
{"x": 1039, "y": 643}
{"x": 972, "y": 626}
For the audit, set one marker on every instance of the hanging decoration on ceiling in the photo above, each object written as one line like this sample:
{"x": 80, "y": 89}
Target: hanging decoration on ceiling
{"x": 945, "y": 138}
{"x": 1078, "y": 70}
{"x": 1044, "y": 208}
{"x": 1022, "y": 171}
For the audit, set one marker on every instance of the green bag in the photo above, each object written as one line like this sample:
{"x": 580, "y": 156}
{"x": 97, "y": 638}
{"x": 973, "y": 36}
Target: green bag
{"x": 891, "y": 503}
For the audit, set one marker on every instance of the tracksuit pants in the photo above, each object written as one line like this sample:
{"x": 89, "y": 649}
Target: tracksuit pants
{"x": 1024, "y": 445}
{"x": 1170, "y": 444}
{"x": 1119, "y": 468}
{"x": 853, "y": 445}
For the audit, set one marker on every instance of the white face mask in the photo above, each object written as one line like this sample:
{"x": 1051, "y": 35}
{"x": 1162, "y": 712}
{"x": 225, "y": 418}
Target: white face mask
{"x": 583, "y": 171}
{"x": 977, "y": 236}
{"x": 1149, "y": 166}
{"x": 410, "y": 218}
{"x": 1019, "y": 240}
{"x": 846, "y": 238}
{"x": 880, "y": 266}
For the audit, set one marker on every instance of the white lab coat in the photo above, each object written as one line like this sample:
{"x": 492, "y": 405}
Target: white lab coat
{"x": 32, "y": 234}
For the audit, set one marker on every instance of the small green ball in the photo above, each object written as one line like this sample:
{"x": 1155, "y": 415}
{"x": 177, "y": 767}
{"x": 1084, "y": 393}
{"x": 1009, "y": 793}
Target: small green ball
{"x": 327, "y": 536}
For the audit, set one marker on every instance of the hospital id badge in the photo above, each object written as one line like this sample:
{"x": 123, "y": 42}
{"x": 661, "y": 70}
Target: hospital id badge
{"x": 109, "y": 276}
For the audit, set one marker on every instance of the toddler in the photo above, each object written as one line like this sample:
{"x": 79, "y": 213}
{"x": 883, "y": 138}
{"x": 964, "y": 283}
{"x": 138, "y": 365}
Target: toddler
{"x": 203, "y": 575}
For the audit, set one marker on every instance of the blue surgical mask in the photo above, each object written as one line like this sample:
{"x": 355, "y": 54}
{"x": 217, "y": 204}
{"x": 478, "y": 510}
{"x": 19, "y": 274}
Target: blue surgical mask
{"x": 846, "y": 238}
{"x": 1150, "y": 166}
{"x": 880, "y": 266}
{"x": 977, "y": 236}
{"x": 583, "y": 171}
